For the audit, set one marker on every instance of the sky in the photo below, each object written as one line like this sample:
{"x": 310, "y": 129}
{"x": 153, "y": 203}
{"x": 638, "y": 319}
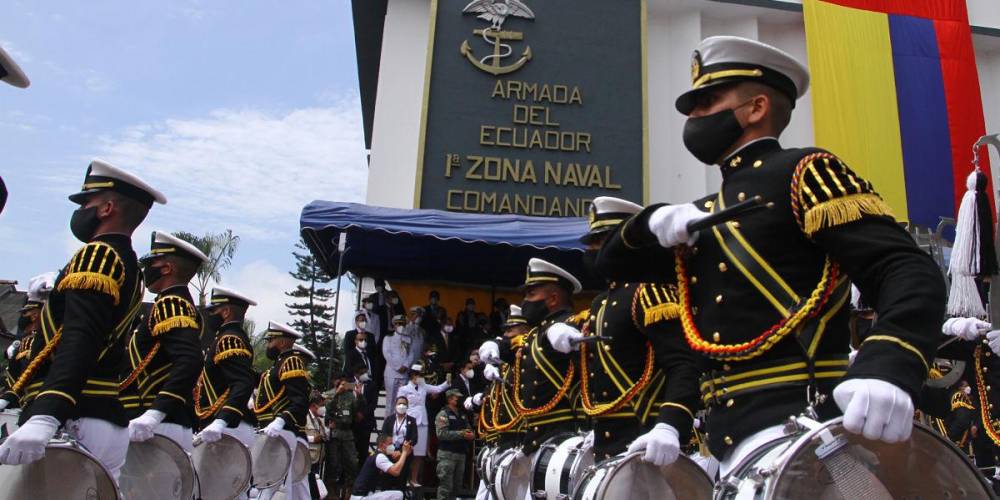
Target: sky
{"x": 240, "y": 112}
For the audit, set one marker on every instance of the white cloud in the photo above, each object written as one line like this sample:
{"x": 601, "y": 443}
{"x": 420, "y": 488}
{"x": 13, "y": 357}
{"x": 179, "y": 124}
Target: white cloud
{"x": 247, "y": 170}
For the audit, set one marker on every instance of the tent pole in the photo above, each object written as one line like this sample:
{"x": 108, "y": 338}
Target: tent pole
{"x": 342, "y": 247}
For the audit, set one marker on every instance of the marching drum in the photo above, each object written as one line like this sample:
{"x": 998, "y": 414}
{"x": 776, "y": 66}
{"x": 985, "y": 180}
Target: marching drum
{"x": 315, "y": 452}
{"x": 8, "y": 421}
{"x": 66, "y": 471}
{"x": 558, "y": 465}
{"x": 628, "y": 476}
{"x": 822, "y": 461}
{"x": 300, "y": 469}
{"x": 484, "y": 463}
{"x": 156, "y": 469}
{"x": 223, "y": 467}
{"x": 511, "y": 476}
{"x": 270, "y": 458}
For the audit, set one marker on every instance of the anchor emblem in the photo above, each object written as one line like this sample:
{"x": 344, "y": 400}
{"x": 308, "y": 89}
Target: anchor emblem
{"x": 496, "y": 12}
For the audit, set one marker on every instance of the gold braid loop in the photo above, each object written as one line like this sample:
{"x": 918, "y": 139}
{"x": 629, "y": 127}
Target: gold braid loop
{"x": 595, "y": 410}
{"x": 530, "y": 412}
{"x": 763, "y": 342}
{"x": 984, "y": 402}
{"x": 141, "y": 367}
{"x": 212, "y": 410}
{"x": 36, "y": 363}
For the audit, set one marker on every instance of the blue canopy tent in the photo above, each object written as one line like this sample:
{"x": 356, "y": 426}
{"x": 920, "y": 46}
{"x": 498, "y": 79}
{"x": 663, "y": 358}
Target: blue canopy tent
{"x": 434, "y": 245}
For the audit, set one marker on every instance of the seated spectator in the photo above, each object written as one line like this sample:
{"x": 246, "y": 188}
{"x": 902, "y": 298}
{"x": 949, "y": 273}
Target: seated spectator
{"x": 374, "y": 480}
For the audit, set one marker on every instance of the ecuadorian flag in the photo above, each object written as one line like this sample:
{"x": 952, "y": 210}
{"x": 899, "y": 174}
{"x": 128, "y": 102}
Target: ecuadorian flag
{"x": 896, "y": 94}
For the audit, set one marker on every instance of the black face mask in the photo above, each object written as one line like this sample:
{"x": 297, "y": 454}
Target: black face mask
{"x": 213, "y": 322}
{"x": 534, "y": 311}
{"x": 590, "y": 262}
{"x": 708, "y": 137}
{"x": 151, "y": 275}
{"x": 83, "y": 224}
{"x": 272, "y": 353}
{"x": 22, "y": 324}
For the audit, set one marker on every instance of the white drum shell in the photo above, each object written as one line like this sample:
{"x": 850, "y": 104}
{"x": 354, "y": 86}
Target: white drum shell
{"x": 628, "y": 476}
{"x": 511, "y": 478}
{"x": 270, "y": 458}
{"x": 300, "y": 469}
{"x": 157, "y": 469}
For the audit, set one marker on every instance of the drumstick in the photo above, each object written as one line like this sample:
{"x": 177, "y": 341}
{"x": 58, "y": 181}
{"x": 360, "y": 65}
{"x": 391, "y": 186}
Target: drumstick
{"x": 197, "y": 440}
{"x": 728, "y": 214}
{"x": 595, "y": 338}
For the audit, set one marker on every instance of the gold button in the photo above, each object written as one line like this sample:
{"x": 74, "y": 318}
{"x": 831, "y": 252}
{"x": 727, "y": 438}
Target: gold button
{"x": 605, "y": 324}
{"x": 709, "y": 204}
{"x": 728, "y": 440}
{"x": 604, "y": 393}
{"x": 614, "y": 303}
{"x": 536, "y": 428}
{"x": 730, "y": 403}
{"x": 694, "y": 280}
{"x": 694, "y": 250}
{"x": 718, "y": 299}
{"x": 723, "y": 267}
{"x": 758, "y": 164}
{"x": 735, "y": 224}
{"x": 522, "y": 386}
{"x": 726, "y": 367}
{"x": 607, "y": 347}
{"x": 535, "y": 443}
{"x": 607, "y": 434}
{"x": 735, "y": 162}
{"x": 742, "y": 196}
{"x": 716, "y": 336}
{"x": 535, "y": 382}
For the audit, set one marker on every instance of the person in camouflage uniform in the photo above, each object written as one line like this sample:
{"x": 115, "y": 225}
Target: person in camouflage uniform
{"x": 342, "y": 409}
{"x": 454, "y": 435}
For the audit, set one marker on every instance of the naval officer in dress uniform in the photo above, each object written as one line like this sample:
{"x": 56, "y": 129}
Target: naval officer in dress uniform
{"x": 283, "y": 398}
{"x": 72, "y": 380}
{"x": 772, "y": 289}
{"x": 28, "y": 324}
{"x": 165, "y": 343}
{"x": 641, "y": 377}
{"x": 544, "y": 385}
{"x": 227, "y": 378}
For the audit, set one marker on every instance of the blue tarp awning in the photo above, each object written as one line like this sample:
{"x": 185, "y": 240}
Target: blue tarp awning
{"x": 434, "y": 245}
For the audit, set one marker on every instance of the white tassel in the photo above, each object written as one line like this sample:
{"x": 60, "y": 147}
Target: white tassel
{"x": 963, "y": 298}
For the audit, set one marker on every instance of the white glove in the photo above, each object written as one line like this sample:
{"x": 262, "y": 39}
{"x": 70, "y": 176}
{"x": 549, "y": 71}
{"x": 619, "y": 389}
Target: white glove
{"x": 27, "y": 443}
{"x": 492, "y": 373}
{"x": 994, "y": 339}
{"x": 560, "y": 336}
{"x": 275, "y": 427}
{"x": 661, "y": 445}
{"x": 478, "y": 399}
{"x": 850, "y": 357}
{"x": 965, "y": 328}
{"x": 489, "y": 352}
{"x": 12, "y": 350}
{"x": 141, "y": 428}
{"x": 468, "y": 404}
{"x": 669, "y": 224}
{"x": 588, "y": 441}
{"x": 213, "y": 432}
{"x": 875, "y": 408}
{"x": 3, "y": 404}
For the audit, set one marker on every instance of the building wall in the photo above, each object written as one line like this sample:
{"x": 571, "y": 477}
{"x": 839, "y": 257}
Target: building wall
{"x": 674, "y": 28}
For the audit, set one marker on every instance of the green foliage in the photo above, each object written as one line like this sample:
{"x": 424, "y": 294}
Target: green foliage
{"x": 220, "y": 249}
{"x": 312, "y": 313}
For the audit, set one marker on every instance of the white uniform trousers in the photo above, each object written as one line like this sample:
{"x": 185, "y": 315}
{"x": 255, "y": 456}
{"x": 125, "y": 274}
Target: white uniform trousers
{"x": 106, "y": 441}
{"x": 482, "y": 493}
{"x": 177, "y": 433}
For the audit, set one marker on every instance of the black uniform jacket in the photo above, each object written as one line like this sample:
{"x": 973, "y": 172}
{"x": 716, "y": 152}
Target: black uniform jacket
{"x": 545, "y": 387}
{"x": 16, "y": 366}
{"x": 645, "y": 368}
{"x": 163, "y": 359}
{"x": 227, "y": 378}
{"x": 761, "y": 295}
{"x": 283, "y": 391}
{"x": 84, "y": 326}
{"x": 982, "y": 372}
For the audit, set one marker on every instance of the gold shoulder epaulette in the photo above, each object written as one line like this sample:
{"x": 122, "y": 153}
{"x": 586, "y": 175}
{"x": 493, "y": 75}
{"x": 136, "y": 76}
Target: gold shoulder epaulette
{"x": 95, "y": 267}
{"x": 172, "y": 312}
{"x": 230, "y": 345}
{"x": 579, "y": 319}
{"x": 657, "y": 303}
{"x": 826, "y": 193}
{"x": 293, "y": 366}
{"x": 961, "y": 400}
{"x": 519, "y": 341}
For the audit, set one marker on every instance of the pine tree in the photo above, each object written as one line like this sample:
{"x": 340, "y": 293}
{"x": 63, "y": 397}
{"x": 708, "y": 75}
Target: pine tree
{"x": 312, "y": 312}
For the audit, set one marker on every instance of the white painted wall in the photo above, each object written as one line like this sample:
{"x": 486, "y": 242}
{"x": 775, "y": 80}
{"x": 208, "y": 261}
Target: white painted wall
{"x": 674, "y": 28}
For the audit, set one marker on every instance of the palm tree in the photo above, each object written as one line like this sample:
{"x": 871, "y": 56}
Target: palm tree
{"x": 220, "y": 249}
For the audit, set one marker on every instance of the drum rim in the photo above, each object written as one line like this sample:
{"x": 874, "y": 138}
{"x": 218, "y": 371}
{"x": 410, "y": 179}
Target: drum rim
{"x": 512, "y": 452}
{"x": 178, "y": 451}
{"x": 245, "y": 453}
{"x": 308, "y": 460}
{"x": 574, "y": 455}
{"x": 546, "y": 445}
{"x": 800, "y": 441}
{"x": 284, "y": 446}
